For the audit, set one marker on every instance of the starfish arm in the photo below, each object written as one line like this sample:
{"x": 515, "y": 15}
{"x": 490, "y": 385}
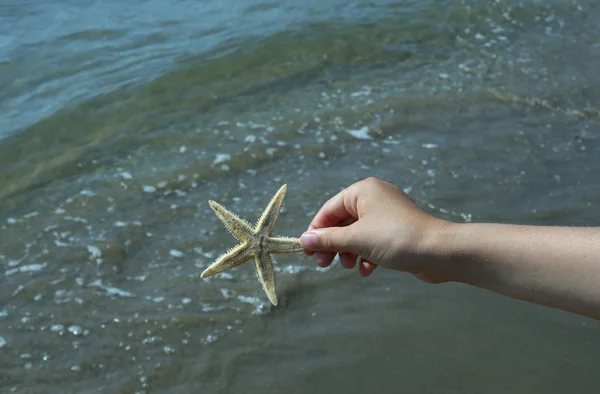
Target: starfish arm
{"x": 267, "y": 221}
{"x": 266, "y": 275}
{"x": 236, "y": 226}
{"x": 236, "y": 256}
{"x": 283, "y": 245}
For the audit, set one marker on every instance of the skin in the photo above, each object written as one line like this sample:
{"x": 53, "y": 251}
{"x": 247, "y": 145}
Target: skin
{"x": 557, "y": 266}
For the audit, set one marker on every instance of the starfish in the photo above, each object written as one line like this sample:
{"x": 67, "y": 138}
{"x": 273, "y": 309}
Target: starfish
{"x": 257, "y": 243}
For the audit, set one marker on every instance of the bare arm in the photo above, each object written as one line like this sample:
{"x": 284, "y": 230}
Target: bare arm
{"x": 553, "y": 266}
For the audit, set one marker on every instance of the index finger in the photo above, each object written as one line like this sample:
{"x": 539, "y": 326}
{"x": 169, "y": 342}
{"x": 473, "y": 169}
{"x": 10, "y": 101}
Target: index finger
{"x": 341, "y": 209}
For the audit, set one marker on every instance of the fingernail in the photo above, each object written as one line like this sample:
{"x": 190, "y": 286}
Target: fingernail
{"x": 310, "y": 240}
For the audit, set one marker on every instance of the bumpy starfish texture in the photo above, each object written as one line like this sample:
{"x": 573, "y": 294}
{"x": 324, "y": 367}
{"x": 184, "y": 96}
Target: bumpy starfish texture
{"x": 257, "y": 243}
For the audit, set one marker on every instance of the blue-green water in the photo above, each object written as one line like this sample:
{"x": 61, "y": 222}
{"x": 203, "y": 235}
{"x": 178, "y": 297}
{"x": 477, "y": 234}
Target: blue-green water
{"x": 119, "y": 120}
{"x": 58, "y": 54}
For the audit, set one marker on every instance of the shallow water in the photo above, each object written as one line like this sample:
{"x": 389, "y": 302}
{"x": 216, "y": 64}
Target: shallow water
{"x": 120, "y": 120}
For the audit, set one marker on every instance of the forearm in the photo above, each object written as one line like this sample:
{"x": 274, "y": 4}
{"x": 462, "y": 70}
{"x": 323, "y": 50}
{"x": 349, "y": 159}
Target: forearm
{"x": 553, "y": 266}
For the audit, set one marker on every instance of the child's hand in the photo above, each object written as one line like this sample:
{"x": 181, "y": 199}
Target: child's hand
{"x": 375, "y": 220}
{"x": 549, "y": 265}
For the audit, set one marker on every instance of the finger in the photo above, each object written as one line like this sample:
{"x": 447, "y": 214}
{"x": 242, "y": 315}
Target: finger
{"x": 348, "y": 260}
{"x": 336, "y": 210}
{"x": 366, "y": 268}
{"x": 425, "y": 277}
{"x": 324, "y": 259}
{"x": 333, "y": 239}
{"x": 344, "y": 223}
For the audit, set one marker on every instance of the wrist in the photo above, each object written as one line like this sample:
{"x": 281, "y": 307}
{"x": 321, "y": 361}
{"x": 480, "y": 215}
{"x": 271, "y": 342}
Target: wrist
{"x": 446, "y": 248}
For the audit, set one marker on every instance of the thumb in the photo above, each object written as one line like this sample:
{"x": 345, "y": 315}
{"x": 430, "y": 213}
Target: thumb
{"x": 332, "y": 239}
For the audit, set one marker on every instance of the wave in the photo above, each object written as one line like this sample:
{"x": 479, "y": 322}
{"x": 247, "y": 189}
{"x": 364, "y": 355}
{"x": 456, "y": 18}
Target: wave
{"x": 406, "y": 51}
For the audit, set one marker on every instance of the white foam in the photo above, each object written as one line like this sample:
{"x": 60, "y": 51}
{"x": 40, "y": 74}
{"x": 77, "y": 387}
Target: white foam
{"x": 168, "y": 349}
{"x": 361, "y": 134}
{"x": 94, "y": 251}
{"x": 210, "y": 308}
{"x": 210, "y": 338}
{"x": 75, "y": 330}
{"x": 26, "y": 268}
{"x": 365, "y": 92}
{"x": 291, "y": 269}
{"x": 87, "y": 192}
{"x": 226, "y": 293}
{"x": 76, "y": 219}
{"x": 260, "y": 307}
{"x": 225, "y": 275}
{"x": 221, "y": 157}
{"x": 111, "y": 290}
{"x": 176, "y": 253}
{"x": 249, "y": 300}
{"x": 18, "y": 290}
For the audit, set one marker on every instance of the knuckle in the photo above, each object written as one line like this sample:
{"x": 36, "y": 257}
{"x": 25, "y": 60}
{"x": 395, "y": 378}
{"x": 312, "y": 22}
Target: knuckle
{"x": 370, "y": 184}
{"x": 370, "y": 181}
{"x": 327, "y": 240}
